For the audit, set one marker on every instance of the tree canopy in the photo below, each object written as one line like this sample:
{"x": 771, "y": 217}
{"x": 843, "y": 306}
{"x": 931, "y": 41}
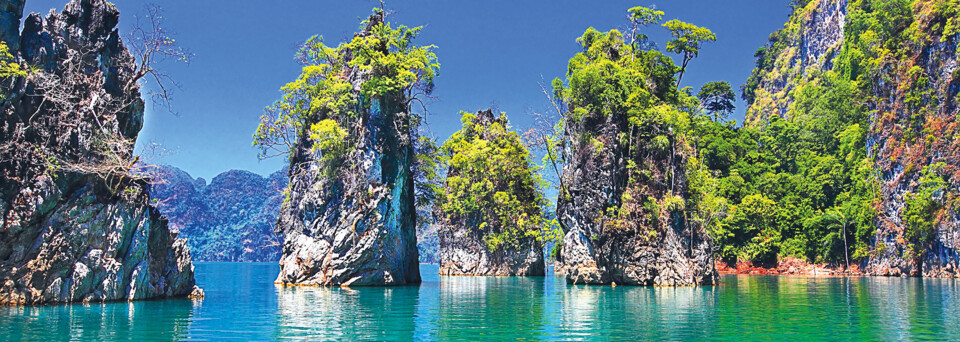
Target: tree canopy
{"x": 492, "y": 185}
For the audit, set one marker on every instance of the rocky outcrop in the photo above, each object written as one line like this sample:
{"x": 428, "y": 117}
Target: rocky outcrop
{"x": 428, "y": 244}
{"x": 638, "y": 246}
{"x": 464, "y": 253}
{"x": 465, "y": 247}
{"x": 357, "y": 226}
{"x": 229, "y": 220}
{"x": 76, "y": 225}
{"x": 915, "y": 126}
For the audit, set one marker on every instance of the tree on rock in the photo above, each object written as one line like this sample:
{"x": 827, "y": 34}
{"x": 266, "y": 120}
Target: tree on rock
{"x": 349, "y": 130}
{"x": 629, "y": 210}
{"x": 491, "y": 211}
{"x": 717, "y": 98}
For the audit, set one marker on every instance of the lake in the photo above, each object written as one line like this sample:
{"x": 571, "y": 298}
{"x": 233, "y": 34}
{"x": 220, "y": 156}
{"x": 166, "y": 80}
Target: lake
{"x": 242, "y": 303}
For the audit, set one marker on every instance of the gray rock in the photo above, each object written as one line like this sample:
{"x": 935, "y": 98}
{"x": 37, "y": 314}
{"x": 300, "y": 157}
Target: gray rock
{"x": 652, "y": 251}
{"x": 74, "y": 229}
{"x": 11, "y": 11}
{"x": 358, "y": 227}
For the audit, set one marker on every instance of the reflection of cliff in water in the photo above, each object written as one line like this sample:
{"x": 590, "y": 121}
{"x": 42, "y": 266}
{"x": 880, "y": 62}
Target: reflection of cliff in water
{"x": 346, "y": 314}
{"x": 491, "y": 307}
{"x": 115, "y": 321}
{"x": 667, "y": 313}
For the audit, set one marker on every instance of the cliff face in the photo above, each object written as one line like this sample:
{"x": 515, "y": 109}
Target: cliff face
{"x": 902, "y": 58}
{"x": 915, "y": 127}
{"x": 75, "y": 225}
{"x": 231, "y": 219}
{"x": 356, "y": 226}
{"x": 598, "y": 249}
{"x": 468, "y": 238}
{"x": 793, "y": 55}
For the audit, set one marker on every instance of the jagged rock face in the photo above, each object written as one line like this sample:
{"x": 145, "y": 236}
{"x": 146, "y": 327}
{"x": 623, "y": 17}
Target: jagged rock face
{"x": 463, "y": 246}
{"x": 661, "y": 253}
{"x": 70, "y": 231}
{"x": 229, "y": 220}
{"x": 358, "y": 226}
{"x": 900, "y": 157}
{"x": 810, "y": 47}
{"x": 464, "y": 253}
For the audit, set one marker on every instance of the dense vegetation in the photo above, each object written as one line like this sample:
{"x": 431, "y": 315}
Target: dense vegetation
{"x": 322, "y": 104}
{"x": 623, "y": 84}
{"x": 323, "y": 107}
{"x": 799, "y": 178}
{"x": 492, "y": 186}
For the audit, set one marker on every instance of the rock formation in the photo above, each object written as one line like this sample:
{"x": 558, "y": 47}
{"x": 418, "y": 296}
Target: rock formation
{"x": 466, "y": 238}
{"x": 623, "y": 186}
{"x": 229, "y": 220}
{"x": 76, "y": 225}
{"x": 812, "y": 47}
{"x": 356, "y": 226}
{"x": 595, "y": 251}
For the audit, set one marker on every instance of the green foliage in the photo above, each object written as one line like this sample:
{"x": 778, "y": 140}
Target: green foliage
{"x": 493, "y": 186}
{"x": 642, "y": 16}
{"x": 717, "y": 99}
{"x": 328, "y": 139}
{"x": 395, "y": 71}
{"x": 922, "y": 206}
{"x": 687, "y": 41}
{"x": 557, "y": 251}
{"x": 626, "y": 84}
{"x": 9, "y": 68}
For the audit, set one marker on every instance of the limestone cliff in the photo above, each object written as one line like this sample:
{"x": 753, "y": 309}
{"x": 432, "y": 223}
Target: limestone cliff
{"x": 76, "y": 225}
{"x": 355, "y": 225}
{"x": 624, "y": 184}
{"x": 902, "y": 58}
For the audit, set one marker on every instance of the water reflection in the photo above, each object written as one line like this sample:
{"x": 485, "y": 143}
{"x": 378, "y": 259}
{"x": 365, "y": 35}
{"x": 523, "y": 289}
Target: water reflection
{"x": 489, "y": 307}
{"x": 243, "y": 304}
{"x": 613, "y": 313}
{"x": 319, "y": 313}
{"x": 167, "y": 319}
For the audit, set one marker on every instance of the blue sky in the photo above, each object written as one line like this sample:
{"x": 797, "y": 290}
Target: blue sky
{"x": 492, "y": 53}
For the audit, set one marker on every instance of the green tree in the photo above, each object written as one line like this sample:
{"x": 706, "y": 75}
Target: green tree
{"x": 642, "y": 16}
{"x": 717, "y": 99}
{"x": 687, "y": 41}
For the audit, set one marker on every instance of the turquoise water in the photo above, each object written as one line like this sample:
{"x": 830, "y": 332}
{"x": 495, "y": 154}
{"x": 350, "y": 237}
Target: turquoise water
{"x": 243, "y": 304}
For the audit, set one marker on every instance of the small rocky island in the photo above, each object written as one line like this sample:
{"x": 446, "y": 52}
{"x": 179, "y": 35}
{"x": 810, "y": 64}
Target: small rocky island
{"x": 624, "y": 186}
{"x": 490, "y": 216}
{"x": 76, "y": 224}
{"x": 350, "y": 218}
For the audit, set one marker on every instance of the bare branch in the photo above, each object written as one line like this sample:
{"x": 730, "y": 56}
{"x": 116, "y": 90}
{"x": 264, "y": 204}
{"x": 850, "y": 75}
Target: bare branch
{"x": 152, "y": 45}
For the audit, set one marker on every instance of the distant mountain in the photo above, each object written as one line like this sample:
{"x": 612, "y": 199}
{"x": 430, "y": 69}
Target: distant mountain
{"x": 428, "y": 244}
{"x": 231, "y": 219}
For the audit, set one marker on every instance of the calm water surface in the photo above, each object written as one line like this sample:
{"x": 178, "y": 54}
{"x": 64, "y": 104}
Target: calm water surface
{"x": 243, "y": 303}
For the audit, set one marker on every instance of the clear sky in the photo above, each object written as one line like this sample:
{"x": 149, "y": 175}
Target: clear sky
{"x": 491, "y": 53}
